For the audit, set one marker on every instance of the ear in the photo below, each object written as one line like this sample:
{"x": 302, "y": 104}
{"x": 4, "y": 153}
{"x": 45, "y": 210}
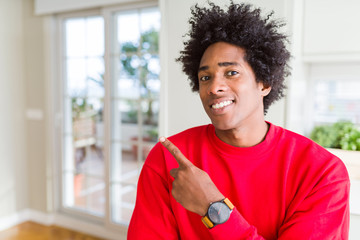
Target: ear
{"x": 264, "y": 90}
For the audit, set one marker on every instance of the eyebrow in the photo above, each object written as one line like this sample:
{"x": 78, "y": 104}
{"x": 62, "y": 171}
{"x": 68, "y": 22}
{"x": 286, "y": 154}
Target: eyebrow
{"x": 220, "y": 64}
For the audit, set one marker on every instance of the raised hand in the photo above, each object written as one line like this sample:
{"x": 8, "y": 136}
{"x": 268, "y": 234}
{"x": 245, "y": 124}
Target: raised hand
{"x": 192, "y": 187}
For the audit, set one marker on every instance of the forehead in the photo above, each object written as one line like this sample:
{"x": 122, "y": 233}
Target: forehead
{"x": 221, "y": 52}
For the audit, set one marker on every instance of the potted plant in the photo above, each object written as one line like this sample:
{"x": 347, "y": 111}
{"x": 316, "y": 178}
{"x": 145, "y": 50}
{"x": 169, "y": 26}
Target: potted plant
{"x": 343, "y": 140}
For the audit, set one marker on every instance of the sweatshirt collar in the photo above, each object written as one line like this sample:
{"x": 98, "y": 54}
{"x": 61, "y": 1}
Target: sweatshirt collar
{"x": 266, "y": 145}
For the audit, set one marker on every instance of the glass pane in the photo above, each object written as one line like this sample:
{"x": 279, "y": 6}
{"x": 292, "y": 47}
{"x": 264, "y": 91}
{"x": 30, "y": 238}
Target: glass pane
{"x": 95, "y": 77}
{"x": 129, "y": 109}
{"x": 75, "y": 37}
{"x": 149, "y": 76}
{"x": 128, "y": 28}
{"x": 88, "y": 133}
{"x": 153, "y": 66}
{"x": 150, "y": 41}
{"x": 129, "y": 65}
{"x": 89, "y": 194}
{"x": 84, "y": 107}
{"x": 76, "y": 77}
{"x": 150, "y": 112}
{"x": 336, "y": 101}
{"x": 128, "y": 88}
{"x": 125, "y": 120}
{"x": 147, "y": 146}
{"x": 150, "y": 19}
{"x": 123, "y": 201}
{"x": 94, "y": 36}
{"x": 89, "y": 160}
{"x": 97, "y": 106}
{"x": 128, "y": 80}
{"x": 124, "y": 165}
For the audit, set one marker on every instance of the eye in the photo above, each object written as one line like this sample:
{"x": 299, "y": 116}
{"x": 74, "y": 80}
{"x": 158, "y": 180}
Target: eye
{"x": 204, "y": 78}
{"x": 231, "y": 73}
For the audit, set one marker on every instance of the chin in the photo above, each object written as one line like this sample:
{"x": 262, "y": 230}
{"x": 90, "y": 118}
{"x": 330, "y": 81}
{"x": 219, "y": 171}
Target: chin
{"x": 223, "y": 126}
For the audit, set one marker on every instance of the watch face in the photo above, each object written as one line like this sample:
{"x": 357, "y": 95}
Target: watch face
{"x": 219, "y": 212}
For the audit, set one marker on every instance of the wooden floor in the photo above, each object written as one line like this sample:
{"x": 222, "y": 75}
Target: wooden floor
{"x": 35, "y": 231}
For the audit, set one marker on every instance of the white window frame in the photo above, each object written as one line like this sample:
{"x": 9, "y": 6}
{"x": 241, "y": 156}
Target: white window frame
{"x": 57, "y": 110}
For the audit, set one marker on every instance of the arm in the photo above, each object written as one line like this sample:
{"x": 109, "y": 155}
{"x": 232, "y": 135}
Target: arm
{"x": 323, "y": 214}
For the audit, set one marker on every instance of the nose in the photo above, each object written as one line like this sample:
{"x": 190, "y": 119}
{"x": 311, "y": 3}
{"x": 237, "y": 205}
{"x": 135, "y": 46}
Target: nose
{"x": 217, "y": 85}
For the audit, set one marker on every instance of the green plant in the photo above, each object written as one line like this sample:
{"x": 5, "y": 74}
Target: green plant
{"x": 343, "y": 134}
{"x": 81, "y": 107}
{"x": 153, "y": 134}
{"x": 135, "y": 63}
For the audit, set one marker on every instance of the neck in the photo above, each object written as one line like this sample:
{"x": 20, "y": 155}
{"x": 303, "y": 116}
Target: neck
{"x": 244, "y": 136}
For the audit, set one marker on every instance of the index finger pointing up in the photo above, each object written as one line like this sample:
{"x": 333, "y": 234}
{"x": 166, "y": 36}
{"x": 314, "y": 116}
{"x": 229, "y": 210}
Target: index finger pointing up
{"x": 180, "y": 158}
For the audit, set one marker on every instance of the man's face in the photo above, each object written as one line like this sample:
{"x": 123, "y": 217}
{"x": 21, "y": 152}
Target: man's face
{"x": 229, "y": 93}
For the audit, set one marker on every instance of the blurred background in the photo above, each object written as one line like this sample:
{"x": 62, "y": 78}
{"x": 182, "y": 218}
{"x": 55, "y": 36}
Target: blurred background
{"x": 88, "y": 86}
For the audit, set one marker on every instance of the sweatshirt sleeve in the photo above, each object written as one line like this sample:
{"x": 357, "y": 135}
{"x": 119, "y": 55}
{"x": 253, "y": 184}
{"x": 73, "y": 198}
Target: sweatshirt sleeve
{"x": 152, "y": 217}
{"x": 323, "y": 214}
{"x": 235, "y": 228}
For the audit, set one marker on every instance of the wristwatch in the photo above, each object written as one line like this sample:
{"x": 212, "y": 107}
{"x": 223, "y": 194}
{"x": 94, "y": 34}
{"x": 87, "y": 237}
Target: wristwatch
{"x": 217, "y": 213}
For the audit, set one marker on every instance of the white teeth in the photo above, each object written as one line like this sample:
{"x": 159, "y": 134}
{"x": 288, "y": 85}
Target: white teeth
{"x": 221, "y": 105}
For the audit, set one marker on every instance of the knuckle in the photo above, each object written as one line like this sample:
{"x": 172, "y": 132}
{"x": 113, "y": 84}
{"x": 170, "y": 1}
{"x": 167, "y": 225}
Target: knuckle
{"x": 182, "y": 174}
{"x": 175, "y": 151}
{"x": 167, "y": 143}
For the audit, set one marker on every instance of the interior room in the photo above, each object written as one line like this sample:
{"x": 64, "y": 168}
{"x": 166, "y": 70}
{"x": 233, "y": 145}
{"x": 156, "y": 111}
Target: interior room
{"x": 88, "y": 86}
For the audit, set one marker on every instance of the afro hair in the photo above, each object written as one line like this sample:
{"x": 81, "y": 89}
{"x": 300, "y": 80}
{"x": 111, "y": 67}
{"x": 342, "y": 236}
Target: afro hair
{"x": 241, "y": 25}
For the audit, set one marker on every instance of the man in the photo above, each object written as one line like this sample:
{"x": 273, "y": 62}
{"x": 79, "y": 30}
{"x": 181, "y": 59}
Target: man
{"x": 239, "y": 177}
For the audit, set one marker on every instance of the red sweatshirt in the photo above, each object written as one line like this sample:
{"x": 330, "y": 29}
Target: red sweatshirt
{"x": 286, "y": 187}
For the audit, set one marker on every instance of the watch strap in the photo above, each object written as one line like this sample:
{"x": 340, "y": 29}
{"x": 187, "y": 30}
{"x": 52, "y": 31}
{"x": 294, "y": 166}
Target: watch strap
{"x": 206, "y": 220}
{"x": 228, "y": 203}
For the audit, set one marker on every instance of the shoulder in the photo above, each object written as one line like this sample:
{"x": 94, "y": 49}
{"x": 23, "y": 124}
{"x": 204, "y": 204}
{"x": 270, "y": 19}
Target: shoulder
{"x": 298, "y": 143}
{"x": 307, "y": 155}
{"x": 310, "y": 168}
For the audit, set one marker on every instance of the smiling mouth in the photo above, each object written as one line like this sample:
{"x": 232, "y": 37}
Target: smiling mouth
{"x": 221, "y": 104}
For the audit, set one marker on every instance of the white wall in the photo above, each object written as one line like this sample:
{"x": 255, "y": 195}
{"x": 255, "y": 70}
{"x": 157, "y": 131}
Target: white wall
{"x": 35, "y": 105}
{"x": 331, "y": 28}
{"x": 13, "y": 166}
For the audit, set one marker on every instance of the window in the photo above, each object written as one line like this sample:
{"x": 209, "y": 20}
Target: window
{"x": 110, "y": 98}
{"x": 335, "y": 93}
